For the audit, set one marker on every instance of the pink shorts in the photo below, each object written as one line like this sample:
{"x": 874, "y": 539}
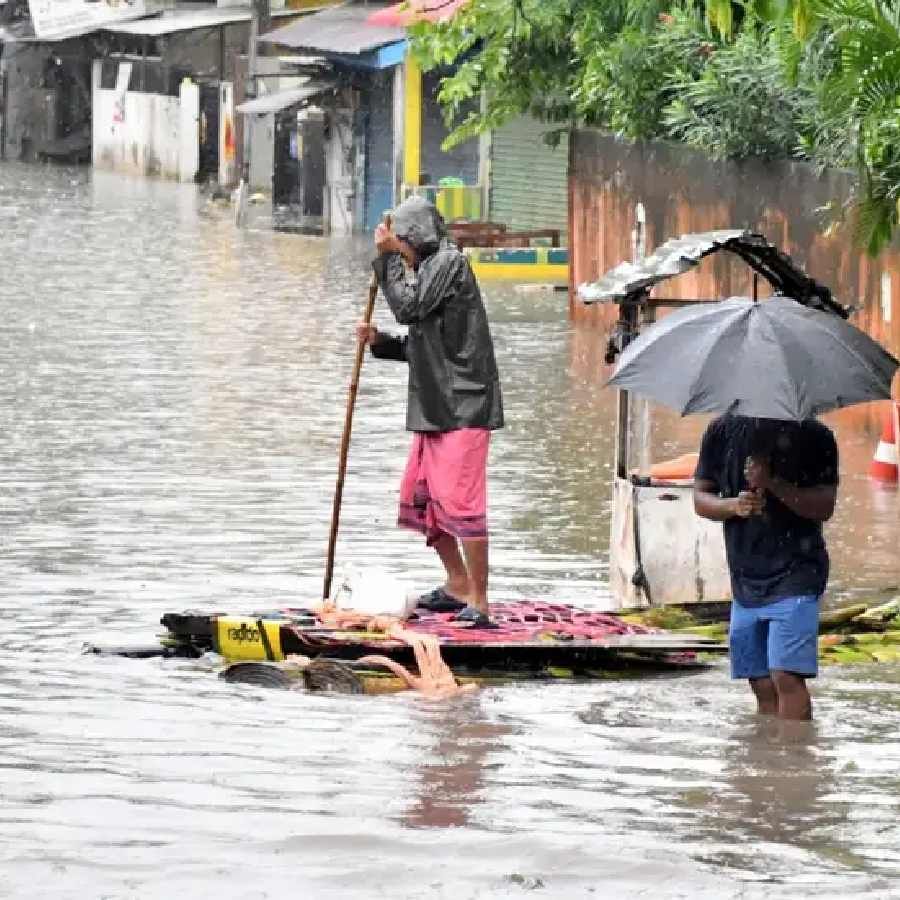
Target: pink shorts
{"x": 444, "y": 487}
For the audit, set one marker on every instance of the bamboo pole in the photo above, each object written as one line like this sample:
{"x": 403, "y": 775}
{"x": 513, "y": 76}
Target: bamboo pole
{"x": 345, "y": 438}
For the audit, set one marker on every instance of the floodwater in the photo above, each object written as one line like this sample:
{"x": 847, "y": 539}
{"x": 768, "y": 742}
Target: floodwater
{"x": 172, "y": 395}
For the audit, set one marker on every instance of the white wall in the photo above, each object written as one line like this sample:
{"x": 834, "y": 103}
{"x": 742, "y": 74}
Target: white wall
{"x": 146, "y": 142}
{"x": 189, "y": 130}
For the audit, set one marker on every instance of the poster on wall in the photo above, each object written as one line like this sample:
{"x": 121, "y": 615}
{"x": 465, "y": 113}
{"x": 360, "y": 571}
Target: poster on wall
{"x": 54, "y": 19}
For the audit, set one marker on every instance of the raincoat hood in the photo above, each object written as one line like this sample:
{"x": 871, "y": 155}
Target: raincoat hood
{"x": 418, "y": 222}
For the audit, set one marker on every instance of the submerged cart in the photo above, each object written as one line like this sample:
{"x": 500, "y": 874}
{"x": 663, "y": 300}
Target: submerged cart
{"x": 661, "y": 552}
{"x": 528, "y": 640}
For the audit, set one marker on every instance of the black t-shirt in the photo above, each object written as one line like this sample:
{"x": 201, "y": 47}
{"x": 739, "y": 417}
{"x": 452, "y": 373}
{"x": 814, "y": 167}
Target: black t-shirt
{"x": 778, "y": 554}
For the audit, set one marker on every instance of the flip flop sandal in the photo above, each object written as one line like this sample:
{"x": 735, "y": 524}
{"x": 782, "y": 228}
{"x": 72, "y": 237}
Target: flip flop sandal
{"x": 475, "y": 618}
{"x": 439, "y": 600}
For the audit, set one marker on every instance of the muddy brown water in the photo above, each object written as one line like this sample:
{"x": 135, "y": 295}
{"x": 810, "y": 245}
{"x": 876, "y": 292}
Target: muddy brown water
{"x": 172, "y": 392}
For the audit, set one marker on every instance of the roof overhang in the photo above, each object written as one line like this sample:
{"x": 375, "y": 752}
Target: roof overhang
{"x": 276, "y": 102}
{"x": 174, "y": 20}
{"x": 340, "y": 31}
{"x": 189, "y": 18}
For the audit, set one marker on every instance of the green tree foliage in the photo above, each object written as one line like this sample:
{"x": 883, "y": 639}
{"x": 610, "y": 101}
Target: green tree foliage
{"x": 861, "y": 95}
{"x": 812, "y": 79}
{"x": 742, "y": 103}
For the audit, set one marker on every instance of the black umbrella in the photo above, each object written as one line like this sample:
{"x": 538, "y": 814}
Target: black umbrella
{"x": 775, "y": 359}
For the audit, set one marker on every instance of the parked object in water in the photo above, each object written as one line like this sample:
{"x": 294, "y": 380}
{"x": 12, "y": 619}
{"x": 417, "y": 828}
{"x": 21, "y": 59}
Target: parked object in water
{"x": 886, "y": 462}
{"x": 529, "y": 640}
{"x": 496, "y": 253}
{"x": 534, "y": 265}
{"x": 661, "y": 552}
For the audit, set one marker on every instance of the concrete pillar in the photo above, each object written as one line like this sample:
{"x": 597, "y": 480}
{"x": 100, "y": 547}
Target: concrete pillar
{"x": 227, "y": 136}
{"x": 188, "y": 130}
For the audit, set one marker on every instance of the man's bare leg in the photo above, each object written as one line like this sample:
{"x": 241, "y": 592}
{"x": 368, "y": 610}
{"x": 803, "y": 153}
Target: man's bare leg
{"x": 457, "y": 585}
{"x": 766, "y": 696}
{"x": 476, "y": 553}
{"x": 794, "y": 701}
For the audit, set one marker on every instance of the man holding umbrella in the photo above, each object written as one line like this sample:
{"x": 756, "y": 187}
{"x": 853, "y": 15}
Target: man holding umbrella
{"x": 772, "y": 484}
{"x": 767, "y": 469}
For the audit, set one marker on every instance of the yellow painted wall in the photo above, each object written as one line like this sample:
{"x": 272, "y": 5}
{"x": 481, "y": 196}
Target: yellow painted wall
{"x": 412, "y": 121}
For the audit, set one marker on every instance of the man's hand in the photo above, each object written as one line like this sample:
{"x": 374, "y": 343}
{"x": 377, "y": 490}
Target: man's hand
{"x": 748, "y": 503}
{"x": 366, "y": 334}
{"x": 758, "y": 474}
{"x": 385, "y": 240}
{"x": 710, "y": 505}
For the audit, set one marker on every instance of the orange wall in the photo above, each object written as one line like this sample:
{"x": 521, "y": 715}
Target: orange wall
{"x": 683, "y": 191}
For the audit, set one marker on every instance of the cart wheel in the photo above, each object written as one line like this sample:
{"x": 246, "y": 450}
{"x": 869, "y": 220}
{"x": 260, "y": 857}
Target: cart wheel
{"x": 259, "y": 674}
{"x": 332, "y": 675}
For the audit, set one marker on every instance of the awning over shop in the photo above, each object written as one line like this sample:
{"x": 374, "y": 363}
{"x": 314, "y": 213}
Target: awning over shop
{"x": 272, "y": 103}
{"x": 411, "y": 11}
{"x": 342, "y": 30}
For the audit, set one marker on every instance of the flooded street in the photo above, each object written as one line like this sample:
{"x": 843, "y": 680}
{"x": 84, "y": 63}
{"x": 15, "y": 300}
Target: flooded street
{"x": 172, "y": 395}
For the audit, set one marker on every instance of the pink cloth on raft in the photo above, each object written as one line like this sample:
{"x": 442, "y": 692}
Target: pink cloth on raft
{"x": 444, "y": 487}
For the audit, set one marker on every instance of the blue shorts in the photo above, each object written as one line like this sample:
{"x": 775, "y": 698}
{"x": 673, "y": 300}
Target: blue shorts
{"x": 781, "y": 635}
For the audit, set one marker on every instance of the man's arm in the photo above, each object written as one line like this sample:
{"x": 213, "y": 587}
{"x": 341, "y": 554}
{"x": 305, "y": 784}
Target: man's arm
{"x": 816, "y": 499}
{"x": 381, "y": 344}
{"x": 816, "y": 502}
{"x": 388, "y": 346}
{"x": 709, "y": 505}
{"x": 412, "y": 296}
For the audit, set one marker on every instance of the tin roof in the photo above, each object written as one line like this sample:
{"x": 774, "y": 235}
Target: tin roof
{"x": 173, "y": 20}
{"x": 187, "y": 17}
{"x": 271, "y": 103}
{"x": 680, "y": 254}
{"x": 341, "y": 29}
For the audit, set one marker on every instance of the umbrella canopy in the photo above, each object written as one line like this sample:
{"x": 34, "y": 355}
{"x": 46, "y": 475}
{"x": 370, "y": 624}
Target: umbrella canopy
{"x": 776, "y": 359}
{"x": 411, "y": 11}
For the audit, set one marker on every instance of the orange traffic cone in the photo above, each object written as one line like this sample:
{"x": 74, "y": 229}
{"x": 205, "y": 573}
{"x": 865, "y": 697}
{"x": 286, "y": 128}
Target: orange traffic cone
{"x": 886, "y": 461}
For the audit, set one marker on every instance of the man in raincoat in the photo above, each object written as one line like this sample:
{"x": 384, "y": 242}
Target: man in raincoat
{"x": 454, "y": 399}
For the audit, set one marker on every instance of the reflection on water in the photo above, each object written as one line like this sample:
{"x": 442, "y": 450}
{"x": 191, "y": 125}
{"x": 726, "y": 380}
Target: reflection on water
{"x": 453, "y": 773}
{"x": 173, "y": 392}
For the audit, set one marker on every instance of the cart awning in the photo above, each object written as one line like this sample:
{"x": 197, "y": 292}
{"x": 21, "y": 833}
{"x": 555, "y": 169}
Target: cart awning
{"x": 680, "y": 254}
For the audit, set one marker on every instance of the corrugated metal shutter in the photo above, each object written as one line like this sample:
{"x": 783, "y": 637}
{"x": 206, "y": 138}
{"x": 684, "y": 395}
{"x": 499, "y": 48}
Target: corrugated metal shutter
{"x": 528, "y": 178}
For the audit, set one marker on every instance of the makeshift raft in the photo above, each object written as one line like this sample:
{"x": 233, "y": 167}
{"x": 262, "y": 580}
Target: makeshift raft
{"x": 528, "y": 640}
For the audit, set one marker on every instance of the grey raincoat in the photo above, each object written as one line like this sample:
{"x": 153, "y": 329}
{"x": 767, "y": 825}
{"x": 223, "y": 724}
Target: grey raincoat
{"x": 453, "y": 378}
